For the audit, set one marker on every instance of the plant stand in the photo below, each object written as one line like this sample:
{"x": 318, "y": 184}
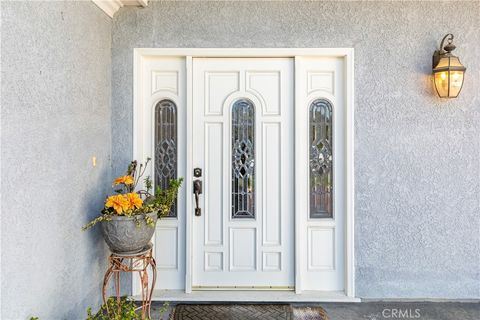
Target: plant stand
{"x": 139, "y": 262}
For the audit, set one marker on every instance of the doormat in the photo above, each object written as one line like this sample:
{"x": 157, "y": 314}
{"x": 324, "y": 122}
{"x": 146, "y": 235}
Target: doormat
{"x": 246, "y": 312}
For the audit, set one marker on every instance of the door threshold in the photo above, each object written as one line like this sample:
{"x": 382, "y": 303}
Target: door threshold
{"x": 250, "y": 296}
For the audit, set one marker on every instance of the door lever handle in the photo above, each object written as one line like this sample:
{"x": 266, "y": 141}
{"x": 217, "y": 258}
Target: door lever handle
{"x": 197, "y": 190}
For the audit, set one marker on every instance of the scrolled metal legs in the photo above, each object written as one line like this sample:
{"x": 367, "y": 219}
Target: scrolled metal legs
{"x": 140, "y": 264}
{"x": 108, "y": 274}
{"x": 153, "y": 265}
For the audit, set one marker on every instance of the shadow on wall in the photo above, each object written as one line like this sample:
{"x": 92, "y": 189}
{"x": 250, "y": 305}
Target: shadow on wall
{"x": 93, "y": 204}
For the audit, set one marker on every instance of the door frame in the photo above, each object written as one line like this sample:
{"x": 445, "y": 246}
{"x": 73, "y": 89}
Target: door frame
{"x": 139, "y": 54}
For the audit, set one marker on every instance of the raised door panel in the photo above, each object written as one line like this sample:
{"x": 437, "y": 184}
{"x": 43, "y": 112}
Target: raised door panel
{"x": 267, "y": 86}
{"x": 163, "y": 80}
{"x": 218, "y": 86}
{"x": 213, "y": 183}
{"x": 243, "y": 249}
{"x": 272, "y": 195}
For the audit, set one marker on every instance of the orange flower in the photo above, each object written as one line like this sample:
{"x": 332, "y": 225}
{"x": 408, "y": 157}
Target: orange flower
{"x": 125, "y": 180}
{"x": 134, "y": 200}
{"x": 119, "y": 203}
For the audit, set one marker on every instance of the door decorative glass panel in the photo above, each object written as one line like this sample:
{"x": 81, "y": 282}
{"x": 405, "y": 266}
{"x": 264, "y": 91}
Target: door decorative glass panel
{"x": 166, "y": 146}
{"x": 321, "y": 160}
{"x": 243, "y": 159}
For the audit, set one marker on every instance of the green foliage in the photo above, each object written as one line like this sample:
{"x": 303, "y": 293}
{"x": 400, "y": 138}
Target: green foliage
{"x": 165, "y": 198}
{"x": 125, "y": 310}
{"x": 34, "y": 318}
{"x": 148, "y": 183}
{"x": 163, "y": 308}
{"x": 98, "y": 219}
{"x": 161, "y": 202}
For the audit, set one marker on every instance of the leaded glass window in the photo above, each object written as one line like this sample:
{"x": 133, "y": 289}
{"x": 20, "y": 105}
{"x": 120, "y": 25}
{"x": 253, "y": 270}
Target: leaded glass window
{"x": 243, "y": 159}
{"x": 166, "y": 146}
{"x": 321, "y": 159}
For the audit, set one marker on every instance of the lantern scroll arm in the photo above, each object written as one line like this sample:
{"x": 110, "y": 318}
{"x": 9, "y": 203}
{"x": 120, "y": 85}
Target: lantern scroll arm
{"x": 443, "y": 49}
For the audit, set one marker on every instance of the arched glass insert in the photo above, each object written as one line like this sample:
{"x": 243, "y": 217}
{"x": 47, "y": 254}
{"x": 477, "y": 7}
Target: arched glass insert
{"x": 166, "y": 146}
{"x": 243, "y": 159}
{"x": 321, "y": 159}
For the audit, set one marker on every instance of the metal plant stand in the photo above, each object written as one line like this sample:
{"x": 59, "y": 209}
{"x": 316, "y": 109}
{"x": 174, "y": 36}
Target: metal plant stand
{"x": 139, "y": 262}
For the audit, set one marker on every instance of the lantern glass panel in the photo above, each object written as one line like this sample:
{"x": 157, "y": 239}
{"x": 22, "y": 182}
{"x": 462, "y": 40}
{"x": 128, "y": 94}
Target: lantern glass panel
{"x": 456, "y": 82}
{"x": 455, "y": 62}
{"x": 444, "y": 62}
{"x": 441, "y": 83}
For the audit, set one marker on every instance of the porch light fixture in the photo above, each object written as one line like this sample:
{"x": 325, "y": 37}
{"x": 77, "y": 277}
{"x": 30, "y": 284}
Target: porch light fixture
{"x": 448, "y": 72}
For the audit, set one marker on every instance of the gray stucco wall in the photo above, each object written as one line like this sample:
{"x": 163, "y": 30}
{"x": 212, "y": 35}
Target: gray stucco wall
{"x": 417, "y": 157}
{"x": 56, "y": 115}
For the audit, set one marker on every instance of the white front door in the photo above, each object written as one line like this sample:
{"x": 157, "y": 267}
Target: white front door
{"x": 243, "y": 143}
{"x": 272, "y": 138}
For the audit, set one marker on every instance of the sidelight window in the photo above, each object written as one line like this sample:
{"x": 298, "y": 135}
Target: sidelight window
{"x": 166, "y": 146}
{"x": 321, "y": 159}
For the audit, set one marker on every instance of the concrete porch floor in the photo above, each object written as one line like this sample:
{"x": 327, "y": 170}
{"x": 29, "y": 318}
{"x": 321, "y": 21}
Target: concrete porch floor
{"x": 380, "y": 310}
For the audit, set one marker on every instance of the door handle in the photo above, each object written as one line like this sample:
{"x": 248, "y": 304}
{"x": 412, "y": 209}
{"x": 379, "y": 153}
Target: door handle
{"x": 197, "y": 190}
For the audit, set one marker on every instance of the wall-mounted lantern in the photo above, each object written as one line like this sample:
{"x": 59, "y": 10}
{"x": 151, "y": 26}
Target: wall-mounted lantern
{"x": 448, "y": 72}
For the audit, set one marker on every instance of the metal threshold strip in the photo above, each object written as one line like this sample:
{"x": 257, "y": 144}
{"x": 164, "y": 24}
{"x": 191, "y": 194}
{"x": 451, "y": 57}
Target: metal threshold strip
{"x": 243, "y": 288}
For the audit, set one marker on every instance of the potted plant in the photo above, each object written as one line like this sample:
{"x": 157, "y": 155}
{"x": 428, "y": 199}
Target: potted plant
{"x": 128, "y": 218}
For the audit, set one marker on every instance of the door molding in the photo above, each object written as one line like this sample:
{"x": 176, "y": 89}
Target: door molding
{"x": 140, "y": 54}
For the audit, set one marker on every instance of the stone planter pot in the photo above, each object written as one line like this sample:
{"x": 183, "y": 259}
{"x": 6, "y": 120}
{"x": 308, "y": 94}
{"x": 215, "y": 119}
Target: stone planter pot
{"x": 124, "y": 236}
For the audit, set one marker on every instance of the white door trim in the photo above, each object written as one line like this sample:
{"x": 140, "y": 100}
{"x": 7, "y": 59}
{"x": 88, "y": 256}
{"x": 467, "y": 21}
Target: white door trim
{"x": 347, "y": 54}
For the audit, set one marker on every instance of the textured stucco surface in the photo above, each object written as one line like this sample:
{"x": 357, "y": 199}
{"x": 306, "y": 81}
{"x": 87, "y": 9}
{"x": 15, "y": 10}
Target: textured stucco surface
{"x": 56, "y": 115}
{"x": 417, "y": 157}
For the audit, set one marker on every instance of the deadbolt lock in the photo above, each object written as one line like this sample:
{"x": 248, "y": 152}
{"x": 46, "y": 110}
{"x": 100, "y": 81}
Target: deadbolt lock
{"x": 197, "y": 172}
